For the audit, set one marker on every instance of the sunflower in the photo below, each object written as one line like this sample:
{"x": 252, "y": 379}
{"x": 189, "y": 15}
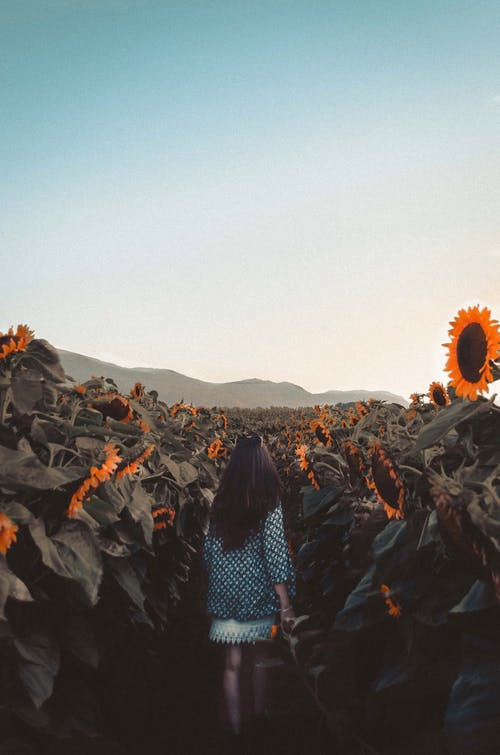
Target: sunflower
{"x": 301, "y": 453}
{"x": 133, "y": 466}
{"x": 11, "y": 342}
{"x": 115, "y": 406}
{"x": 163, "y": 511}
{"x": 475, "y": 343}
{"x": 361, "y": 409}
{"x": 354, "y": 460}
{"x": 145, "y": 427}
{"x": 313, "y": 479}
{"x": 438, "y": 395}
{"x": 416, "y": 399}
{"x": 7, "y": 533}
{"x": 137, "y": 391}
{"x": 97, "y": 475}
{"x": 321, "y": 431}
{"x": 394, "y": 607}
{"x": 386, "y": 482}
{"x": 179, "y": 405}
{"x": 216, "y": 449}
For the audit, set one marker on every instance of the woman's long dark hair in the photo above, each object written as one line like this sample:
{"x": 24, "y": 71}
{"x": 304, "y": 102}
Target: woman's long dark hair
{"x": 249, "y": 488}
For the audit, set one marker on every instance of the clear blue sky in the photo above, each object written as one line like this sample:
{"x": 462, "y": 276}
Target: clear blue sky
{"x": 303, "y": 191}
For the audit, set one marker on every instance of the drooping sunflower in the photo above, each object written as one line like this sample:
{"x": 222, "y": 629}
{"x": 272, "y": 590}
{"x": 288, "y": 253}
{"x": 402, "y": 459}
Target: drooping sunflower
{"x": 386, "y": 482}
{"x": 393, "y": 607}
{"x": 115, "y": 406}
{"x": 321, "y": 431}
{"x": 11, "y": 342}
{"x": 134, "y": 465}
{"x": 96, "y": 476}
{"x": 301, "y": 453}
{"x": 354, "y": 459}
{"x": 216, "y": 449}
{"x": 137, "y": 391}
{"x": 361, "y": 409}
{"x": 438, "y": 395}
{"x": 7, "y": 533}
{"x": 162, "y": 517}
{"x": 313, "y": 479}
{"x": 179, "y": 405}
{"x": 416, "y": 399}
{"x": 475, "y": 343}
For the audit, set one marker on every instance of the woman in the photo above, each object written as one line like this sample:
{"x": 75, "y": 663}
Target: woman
{"x": 250, "y": 573}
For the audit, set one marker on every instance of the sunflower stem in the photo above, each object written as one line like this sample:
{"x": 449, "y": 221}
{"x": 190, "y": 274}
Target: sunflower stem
{"x": 411, "y": 469}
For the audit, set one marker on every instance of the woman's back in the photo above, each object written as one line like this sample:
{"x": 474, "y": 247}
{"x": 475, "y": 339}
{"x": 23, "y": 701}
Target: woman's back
{"x": 240, "y": 580}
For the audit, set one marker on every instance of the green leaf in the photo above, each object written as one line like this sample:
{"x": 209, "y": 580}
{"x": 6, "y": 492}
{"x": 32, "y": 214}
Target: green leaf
{"x": 17, "y": 512}
{"x": 72, "y": 553}
{"x": 79, "y": 637}
{"x": 446, "y": 420}
{"x": 11, "y": 587}
{"x": 389, "y": 538}
{"x": 38, "y": 665}
{"x": 471, "y": 721}
{"x": 23, "y": 470}
{"x": 42, "y": 356}
{"x": 124, "y": 428}
{"x": 172, "y": 466}
{"x": 315, "y": 501}
{"x": 88, "y": 416}
{"x": 102, "y": 511}
{"x": 363, "y": 607}
{"x": 127, "y": 579}
{"x": 26, "y": 391}
{"x": 481, "y": 597}
{"x": 189, "y": 473}
{"x": 139, "y": 506}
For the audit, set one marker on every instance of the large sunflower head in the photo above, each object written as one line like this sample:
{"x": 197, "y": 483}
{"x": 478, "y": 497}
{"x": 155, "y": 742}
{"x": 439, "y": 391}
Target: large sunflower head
{"x": 386, "y": 482}
{"x": 438, "y": 394}
{"x": 475, "y": 343}
{"x": 354, "y": 459}
{"x": 115, "y": 406}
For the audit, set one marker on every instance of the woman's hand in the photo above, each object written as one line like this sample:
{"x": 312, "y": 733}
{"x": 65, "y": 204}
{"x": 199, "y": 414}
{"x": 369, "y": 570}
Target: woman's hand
{"x": 287, "y": 619}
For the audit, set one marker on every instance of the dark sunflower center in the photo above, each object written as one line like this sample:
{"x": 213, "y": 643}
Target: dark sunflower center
{"x": 386, "y": 486}
{"x": 472, "y": 348}
{"x": 439, "y": 397}
{"x": 8, "y": 339}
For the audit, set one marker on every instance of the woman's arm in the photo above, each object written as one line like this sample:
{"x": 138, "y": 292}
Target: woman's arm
{"x": 287, "y": 614}
{"x": 282, "y": 592}
{"x": 278, "y": 562}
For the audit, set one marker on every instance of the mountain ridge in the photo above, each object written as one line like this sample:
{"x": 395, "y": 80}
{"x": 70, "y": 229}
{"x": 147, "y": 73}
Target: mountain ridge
{"x": 249, "y": 393}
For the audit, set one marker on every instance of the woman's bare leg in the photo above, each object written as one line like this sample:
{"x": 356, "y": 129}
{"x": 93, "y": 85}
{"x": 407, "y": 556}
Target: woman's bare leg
{"x": 231, "y": 685}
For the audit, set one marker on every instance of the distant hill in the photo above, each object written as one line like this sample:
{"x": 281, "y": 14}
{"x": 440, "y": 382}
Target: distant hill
{"x": 173, "y": 386}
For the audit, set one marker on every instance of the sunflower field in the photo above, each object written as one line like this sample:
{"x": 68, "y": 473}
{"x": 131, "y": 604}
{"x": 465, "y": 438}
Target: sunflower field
{"x": 393, "y": 522}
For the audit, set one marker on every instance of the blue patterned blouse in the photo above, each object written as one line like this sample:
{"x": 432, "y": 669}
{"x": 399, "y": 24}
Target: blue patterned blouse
{"x": 240, "y": 581}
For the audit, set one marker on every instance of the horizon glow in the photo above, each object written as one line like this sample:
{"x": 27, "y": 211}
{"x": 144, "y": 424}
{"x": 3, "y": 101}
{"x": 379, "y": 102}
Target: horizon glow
{"x": 295, "y": 191}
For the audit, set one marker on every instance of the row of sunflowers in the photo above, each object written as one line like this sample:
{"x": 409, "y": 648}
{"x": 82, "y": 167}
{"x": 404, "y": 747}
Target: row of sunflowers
{"x": 392, "y": 518}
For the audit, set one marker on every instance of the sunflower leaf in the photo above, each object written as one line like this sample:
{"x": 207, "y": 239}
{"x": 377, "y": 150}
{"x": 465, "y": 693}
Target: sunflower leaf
{"x": 72, "y": 553}
{"x": 446, "y": 420}
{"x": 23, "y": 470}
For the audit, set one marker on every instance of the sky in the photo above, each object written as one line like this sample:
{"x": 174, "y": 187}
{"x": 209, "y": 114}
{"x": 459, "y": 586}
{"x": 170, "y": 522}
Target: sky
{"x": 293, "y": 191}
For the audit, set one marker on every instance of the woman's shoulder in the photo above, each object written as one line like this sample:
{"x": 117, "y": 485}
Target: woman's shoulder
{"x": 274, "y": 514}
